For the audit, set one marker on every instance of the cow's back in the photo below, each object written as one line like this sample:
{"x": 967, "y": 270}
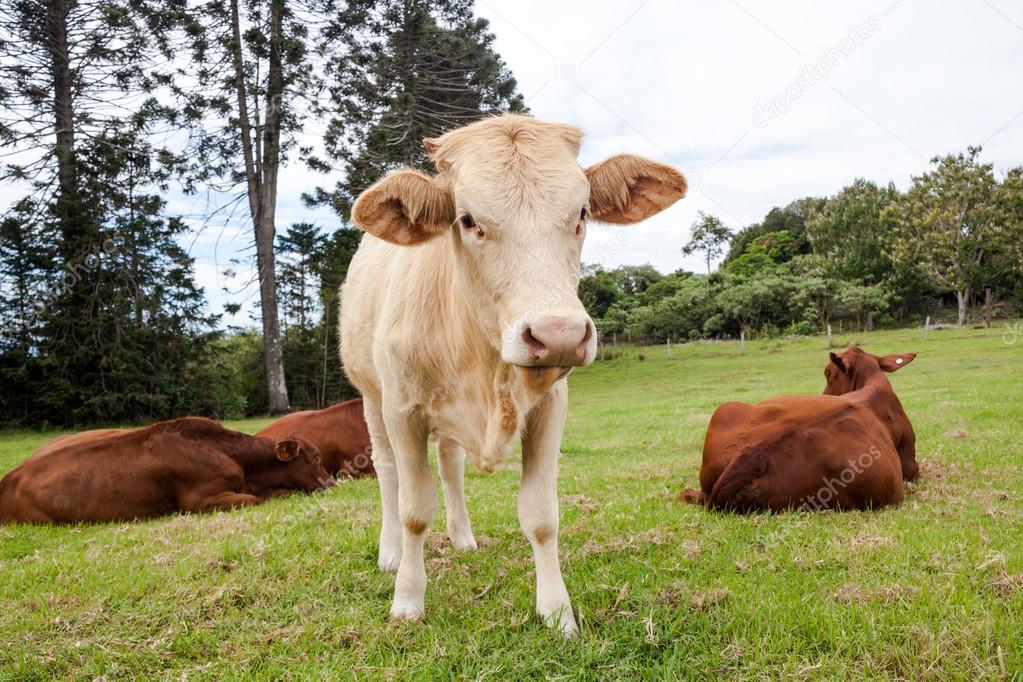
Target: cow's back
{"x": 339, "y": 432}
{"x": 111, "y": 475}
{"x": 783, "y": 451}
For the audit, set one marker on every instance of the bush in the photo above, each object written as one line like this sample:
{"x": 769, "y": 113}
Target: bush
{"x": 802, "y": 328}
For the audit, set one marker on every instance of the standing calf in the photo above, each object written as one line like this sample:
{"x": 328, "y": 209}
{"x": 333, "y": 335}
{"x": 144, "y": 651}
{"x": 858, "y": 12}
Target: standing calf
{"x": 460, "y": 318}
{"x": 850, "y": 448}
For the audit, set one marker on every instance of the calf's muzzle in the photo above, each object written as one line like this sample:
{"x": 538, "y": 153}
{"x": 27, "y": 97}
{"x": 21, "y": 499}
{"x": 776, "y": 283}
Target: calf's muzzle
{"x": 552, "y": 341}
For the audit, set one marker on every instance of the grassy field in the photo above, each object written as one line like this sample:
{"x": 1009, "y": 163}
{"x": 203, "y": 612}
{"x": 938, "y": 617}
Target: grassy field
{"x": 932, "y": 589}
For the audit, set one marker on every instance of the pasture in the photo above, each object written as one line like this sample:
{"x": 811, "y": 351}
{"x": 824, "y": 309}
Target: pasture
{"x": 290, "y": 590}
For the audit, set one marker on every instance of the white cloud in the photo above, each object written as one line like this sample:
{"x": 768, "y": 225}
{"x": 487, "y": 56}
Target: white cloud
{"x": 680, "y": 82}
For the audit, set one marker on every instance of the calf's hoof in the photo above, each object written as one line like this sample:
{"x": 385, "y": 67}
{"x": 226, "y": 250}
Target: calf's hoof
{"x": 402, "y": 611}
{"x": 463, "y": 541}
{"x": 562, "y": 621}
{"x": 388, "y": 562}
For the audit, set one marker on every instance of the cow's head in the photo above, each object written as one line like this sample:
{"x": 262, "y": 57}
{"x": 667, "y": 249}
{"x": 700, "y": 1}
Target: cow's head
{"x": 851, "y": 370}
{"x": 302, "y": 468}
{"x": 514, "y": 202}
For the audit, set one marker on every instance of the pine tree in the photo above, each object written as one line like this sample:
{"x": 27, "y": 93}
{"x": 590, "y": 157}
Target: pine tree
{"x": 297, "y": 251}
{"x": 410, "y": 69}
{"x": 115, "y": 329}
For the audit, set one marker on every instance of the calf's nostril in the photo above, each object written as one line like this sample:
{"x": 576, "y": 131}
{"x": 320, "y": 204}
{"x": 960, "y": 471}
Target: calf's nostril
{"x": 531, "y": 341}
{"x": 588, "y": 334}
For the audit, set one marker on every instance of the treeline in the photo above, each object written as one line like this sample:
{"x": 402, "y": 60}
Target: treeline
{"x": 867, "y": 256}
{"x": 107, "y": 106}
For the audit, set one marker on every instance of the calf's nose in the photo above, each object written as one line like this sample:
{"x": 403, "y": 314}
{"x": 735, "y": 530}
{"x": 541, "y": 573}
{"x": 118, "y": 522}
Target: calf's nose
{"x": 558, "y": 340}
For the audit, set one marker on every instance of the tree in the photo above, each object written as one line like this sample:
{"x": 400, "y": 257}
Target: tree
{"x": 791, "y": 218}
{"x": 755, "y": 301}
{"x": 847, "y": 230}
{"x": 598, "y": 290}
{"x": 109, "y": 325}
{"x": 947, "y": 224}
{"x": 863, "y": 302}
{"x": 1008, "y": 261}
{"x": 250, "y": 63}
{"x": 119, "y": 334}
{"x": 635, "y": 279}
{"x": 816, "y": 293}
{"x": 709, "y": 238}
{"x": 297, "y": 252}
{"x": 409, "y": 69}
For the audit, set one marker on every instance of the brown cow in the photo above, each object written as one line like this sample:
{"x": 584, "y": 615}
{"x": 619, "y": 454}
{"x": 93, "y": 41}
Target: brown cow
{"x": 189, "y": 464}
{"x": 850, "y": 448}
{"x": 338, "y": 431}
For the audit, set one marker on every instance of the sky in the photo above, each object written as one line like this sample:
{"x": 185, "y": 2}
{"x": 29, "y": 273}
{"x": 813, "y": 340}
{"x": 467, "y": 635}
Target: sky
{"x": 758, "y": 103}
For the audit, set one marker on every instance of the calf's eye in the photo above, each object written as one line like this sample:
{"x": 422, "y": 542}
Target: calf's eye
{"x": 582, "y": 214}
{"x": 469, "y": 223}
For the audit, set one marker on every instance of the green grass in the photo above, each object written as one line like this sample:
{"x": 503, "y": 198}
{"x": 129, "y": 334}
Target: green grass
{"x": 932, "y": 589}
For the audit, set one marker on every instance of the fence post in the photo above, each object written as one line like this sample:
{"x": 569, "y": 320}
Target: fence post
{"x": 742, "y": 342}
{"x": 988, "y": 305}
{"x": 927, "y": 326}
{"x": 829, "y": 336}
{"x": 669, "y": 346}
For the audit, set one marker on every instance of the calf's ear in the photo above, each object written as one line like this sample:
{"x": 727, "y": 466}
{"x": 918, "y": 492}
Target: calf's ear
{"x": 405, "y": 207}
{"x": 838, "y": 361}
{"x": 626, "y": 189}
{"x": 891, "y": 363}
{"x": 287, "y": 449}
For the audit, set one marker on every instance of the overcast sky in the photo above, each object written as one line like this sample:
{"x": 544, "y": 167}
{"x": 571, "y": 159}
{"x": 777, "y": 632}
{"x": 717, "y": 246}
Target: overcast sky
{"x": 759, "y": 103}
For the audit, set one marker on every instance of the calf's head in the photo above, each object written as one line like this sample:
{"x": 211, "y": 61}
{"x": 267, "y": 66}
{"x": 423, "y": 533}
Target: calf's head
{"x": 302, "y": 467}
{"x": 514, "y": 203}
{"x": 851, "y": 370}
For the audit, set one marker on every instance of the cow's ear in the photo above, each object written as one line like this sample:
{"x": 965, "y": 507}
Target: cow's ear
{"x": 627, "y": 189}
{"x": 287, "y": 449}
{"x": 406, "y": 208}
{"x": 891, "y": 363}
{"x": 837, "y": 360}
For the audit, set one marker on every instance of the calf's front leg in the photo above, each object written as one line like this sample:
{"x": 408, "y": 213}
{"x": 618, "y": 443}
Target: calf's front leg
{"x": 417, "y": 504}
{"x": 451, "y": 458}
{"x": 538, "y": 506}
{"x": 389, "y": 555}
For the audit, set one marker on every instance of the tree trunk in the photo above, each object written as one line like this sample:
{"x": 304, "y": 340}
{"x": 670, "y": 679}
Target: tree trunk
{"x": 988, "y": 306}
{"x": 261, "y": 177}
{"x": 963, "y": 297}
{"x": 67, "y": 203}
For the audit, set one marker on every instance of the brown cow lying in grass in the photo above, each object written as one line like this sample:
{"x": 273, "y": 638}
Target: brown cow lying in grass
{"x": 848, "y": 449}
{"x": 189, "y": 464}
{"x": 338, "y": 431}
